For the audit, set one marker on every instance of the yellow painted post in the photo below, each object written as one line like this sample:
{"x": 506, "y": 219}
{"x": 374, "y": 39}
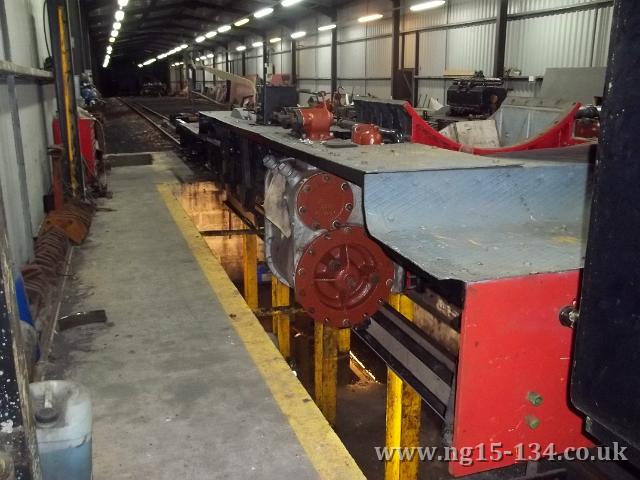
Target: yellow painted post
{"x": 403, "y": 412}
{"x": 326, "y": 370}
{"x": 280, "y": 297}
{"x": 344, "y": 340}
{"x": 250, "y": 269}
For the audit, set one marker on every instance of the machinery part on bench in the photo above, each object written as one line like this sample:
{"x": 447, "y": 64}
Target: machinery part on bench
{"x": 313, "y": 123}
{"x": 366, "y": 134}
{"x": 324, "y": 201}
{"x": 342, "y": 277}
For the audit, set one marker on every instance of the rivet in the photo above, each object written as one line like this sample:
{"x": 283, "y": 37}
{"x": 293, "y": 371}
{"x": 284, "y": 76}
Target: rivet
{"x": 349, "y": 206}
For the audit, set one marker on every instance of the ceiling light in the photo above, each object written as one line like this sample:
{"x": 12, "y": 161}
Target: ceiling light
{"x": 263, "y": 12}
{"x": 256, "y": 44}
{"x": 119, "y": 15}
{"x": 370, "y": 18}
{"x": 224, "y": 28}
{"x": 241, "y": 48}
{"x": 296, "y": 35}
{"x": 161, "y": 56}
{"x": 275, "y": 40}
{"x": 105, "y": 64}
{"x": 123, "y": 3}
{"x": 200, "y": 39}
{"x": 183, "y": 46}
{"x": 324, "y": 28}
{"x": 117, "y": 25}
{"x": 426, "y": 5}
{"x": 109, "y": 49}
{"x": 149, "y": 62}
{"x": 114, "y": 33}
{"x": 241, "y": 22}
{"x": 288, "y": 3}
{"x": 210, "y": 55}
{"x": 140, "y": 65}
{"x": 112, "y": 39}
{"x": 211, "y": 34}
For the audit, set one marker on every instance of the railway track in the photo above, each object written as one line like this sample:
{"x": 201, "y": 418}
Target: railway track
{"x": 157, "y": 120}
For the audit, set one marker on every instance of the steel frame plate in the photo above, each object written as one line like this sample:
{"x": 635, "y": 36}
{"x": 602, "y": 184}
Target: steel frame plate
{"x": 511, "y": 336}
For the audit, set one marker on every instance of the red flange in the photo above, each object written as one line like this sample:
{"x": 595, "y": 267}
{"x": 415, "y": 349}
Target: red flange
{"x": 324, "y": 201}
{"x": 342, "y": 276}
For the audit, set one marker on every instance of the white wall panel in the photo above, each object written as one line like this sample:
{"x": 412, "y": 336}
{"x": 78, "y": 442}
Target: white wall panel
{"x": 307, "y": 63}
{"x": 602, "y": 37}
{"x": 378, "y": 58}
{"x": 409, "y": 51}
{"x": 470, "y": 10}
{"x": 525, "y": 6}
{"x": 433, "y": 47}
{"x": 351, "y": 60}
{"x": 563, "y": 40}
{"x": 323, "y": 62}
{"x": 471, "y": 48}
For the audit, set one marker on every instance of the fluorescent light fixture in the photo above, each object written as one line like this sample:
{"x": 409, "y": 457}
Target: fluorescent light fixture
{"x": 242, "y": 21}
{"x": 418, "y": 7}
{"x": 275, "y": 40}
{"x": 296, "y": 35}
{"x": 241, "y": 48}
{"x": 116, "y": 25}
{"x": 140, "y": 65}
{"x": 256, "y": 44}
{"x": 263, "y": 12}
{"x": 123, "y": 3}
{"x": 183, "y": 46}
{"x": 114, "y": 33}
{"x": 324, "y": 28}
{"x": 112, "y": 39}
{"x": 149, "y": 62}
{"x": 161, "y": 56}
{"x": 288, "y": 3}
{"x": 109, "y": 49}
{"x": 119, "y": 15}
{"x": 210, "y": 55}
{"x": 200, "y": 39}
{"x": 211, "y": 34}
{"x": 370, "y": 18}
{"x": 105, "y": 64}
{"x": 224, "y": 28}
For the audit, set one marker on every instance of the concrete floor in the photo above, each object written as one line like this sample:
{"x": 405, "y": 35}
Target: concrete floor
{"x": 175, "y": 394}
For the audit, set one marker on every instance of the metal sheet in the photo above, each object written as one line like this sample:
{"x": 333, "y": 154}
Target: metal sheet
{"x": 353, "y": 163}
{"x": 481, "y": 224}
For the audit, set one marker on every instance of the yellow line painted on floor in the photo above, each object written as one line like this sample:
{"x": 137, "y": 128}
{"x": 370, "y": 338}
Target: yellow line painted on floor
{"x": 324, "y": 449}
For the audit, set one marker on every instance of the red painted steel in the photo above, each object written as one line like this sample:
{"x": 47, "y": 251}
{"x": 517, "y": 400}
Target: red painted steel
{"x": 324, "y": 201}
{"x": 559, "y": 134}
{"x": 342, "y": 276}
{"x": 316, "y": 122}
{"x": 512, "y": 345}
{"x": 86, "y": 131}
{"x": 366, "y": 134}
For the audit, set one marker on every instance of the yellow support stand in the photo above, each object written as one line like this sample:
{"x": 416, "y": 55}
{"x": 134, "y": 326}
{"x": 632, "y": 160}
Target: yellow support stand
{"x": 403, "y": 413}
{"x": 344, "y": 340}
{"x": 280, "y": 297}
{"x": 250, "y": 269}
{"x": 326, "y": 370}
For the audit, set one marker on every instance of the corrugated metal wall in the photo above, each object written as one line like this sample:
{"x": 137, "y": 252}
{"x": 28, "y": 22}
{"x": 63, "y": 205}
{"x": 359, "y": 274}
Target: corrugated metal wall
{"x": 36, "y": 104}
{"x": 458, "y": 37}
{"x": 540, "y": 34}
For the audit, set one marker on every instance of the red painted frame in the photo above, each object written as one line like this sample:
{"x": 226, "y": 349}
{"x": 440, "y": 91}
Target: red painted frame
{"x": 512, "y": 343}
{"x": 560, "y": 134}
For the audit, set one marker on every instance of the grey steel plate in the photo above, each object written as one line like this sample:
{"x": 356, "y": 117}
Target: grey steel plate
{"x": 482, "y": 224}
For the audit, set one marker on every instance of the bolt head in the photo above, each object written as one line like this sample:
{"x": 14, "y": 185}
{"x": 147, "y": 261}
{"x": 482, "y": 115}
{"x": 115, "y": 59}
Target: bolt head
{"x": 535, "y": 399}
{"x": 532, "y": 421}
